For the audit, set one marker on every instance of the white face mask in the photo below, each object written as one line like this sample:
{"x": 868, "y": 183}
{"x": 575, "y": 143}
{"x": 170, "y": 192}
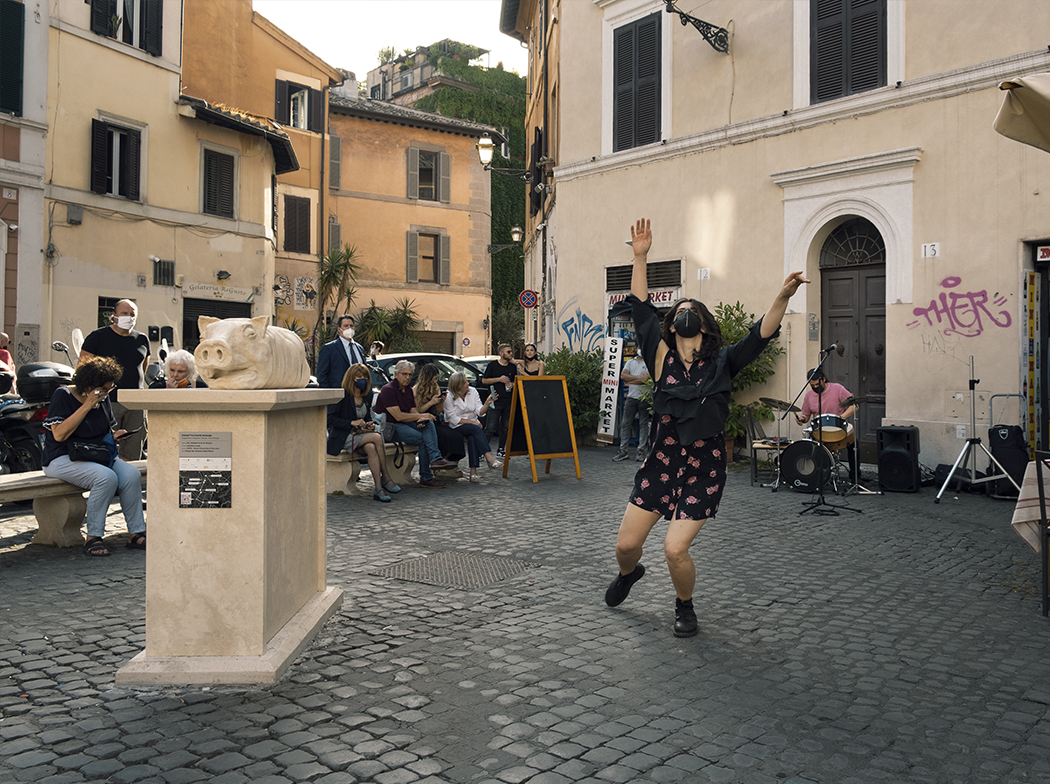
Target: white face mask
{"x": 126, "y": 322}
{"x": 348, "y": 333}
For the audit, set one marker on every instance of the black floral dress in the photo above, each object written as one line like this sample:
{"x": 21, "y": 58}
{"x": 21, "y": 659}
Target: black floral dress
{"x": 685, "y": 473}
{"x": 681, "y": 480}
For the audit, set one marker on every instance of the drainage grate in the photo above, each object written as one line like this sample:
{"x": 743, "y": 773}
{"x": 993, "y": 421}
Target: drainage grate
{"x": 455, "y": 570}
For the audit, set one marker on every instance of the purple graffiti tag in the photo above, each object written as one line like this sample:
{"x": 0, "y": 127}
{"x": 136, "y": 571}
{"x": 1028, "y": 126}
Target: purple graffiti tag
{"x": 950, "y": 282}
{"x": 965, "y": 314}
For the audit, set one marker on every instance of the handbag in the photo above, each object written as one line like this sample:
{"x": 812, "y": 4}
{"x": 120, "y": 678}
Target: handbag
{"x": 89, "y": 452}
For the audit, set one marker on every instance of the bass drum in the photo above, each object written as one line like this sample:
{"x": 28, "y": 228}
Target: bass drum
{"x": 806, "y": 466}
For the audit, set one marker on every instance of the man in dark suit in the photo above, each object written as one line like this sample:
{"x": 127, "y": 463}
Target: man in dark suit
{"x": 335, "y": 358}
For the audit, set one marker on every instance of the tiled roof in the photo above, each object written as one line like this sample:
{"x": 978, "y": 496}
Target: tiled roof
{"x": 237, "y": 120}
{"x": 405, "y": 115}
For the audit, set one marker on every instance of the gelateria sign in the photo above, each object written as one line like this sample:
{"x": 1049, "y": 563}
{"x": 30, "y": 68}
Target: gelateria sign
{"x": 659, "y": 297}
{"x": 213, "y": 291}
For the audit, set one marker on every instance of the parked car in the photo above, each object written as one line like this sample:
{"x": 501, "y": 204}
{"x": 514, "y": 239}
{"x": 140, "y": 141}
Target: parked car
{"x": 446, "y": 365}
{"x": 481, "y": 362}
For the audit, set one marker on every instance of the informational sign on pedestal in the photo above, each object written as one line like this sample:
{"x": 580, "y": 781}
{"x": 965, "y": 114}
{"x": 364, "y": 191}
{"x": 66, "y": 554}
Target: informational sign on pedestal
{"x": 205, "y": 470}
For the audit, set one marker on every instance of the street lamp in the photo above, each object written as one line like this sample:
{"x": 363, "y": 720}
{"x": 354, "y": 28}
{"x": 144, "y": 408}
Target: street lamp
{"x": 515, "y": 234}
{"x": 485, "y": 150}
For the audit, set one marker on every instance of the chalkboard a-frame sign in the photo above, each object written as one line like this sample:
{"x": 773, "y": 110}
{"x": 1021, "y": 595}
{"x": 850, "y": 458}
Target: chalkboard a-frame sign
{"x": 540, "y": 422}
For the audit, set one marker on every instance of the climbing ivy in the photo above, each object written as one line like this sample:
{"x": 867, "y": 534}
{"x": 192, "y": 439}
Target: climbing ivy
{"x": 499, "y": 102}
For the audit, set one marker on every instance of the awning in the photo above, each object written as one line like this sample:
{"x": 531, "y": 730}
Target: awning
{"x": 1025, "y": 113}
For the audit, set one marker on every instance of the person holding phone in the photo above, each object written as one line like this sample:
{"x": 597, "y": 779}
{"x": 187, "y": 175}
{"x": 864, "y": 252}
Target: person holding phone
{"x": 81, "y": 412}
{"x": 351, "y": 428}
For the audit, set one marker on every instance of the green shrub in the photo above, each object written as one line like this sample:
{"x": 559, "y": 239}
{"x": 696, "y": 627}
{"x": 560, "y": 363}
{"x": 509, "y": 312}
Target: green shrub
{"x": 735, "y": 322}
{"x": 583, "y": 376}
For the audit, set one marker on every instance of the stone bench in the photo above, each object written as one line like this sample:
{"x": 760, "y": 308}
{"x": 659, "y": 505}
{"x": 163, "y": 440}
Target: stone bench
{"x": 343, "y": 470}
{"x": 58, "y": 506}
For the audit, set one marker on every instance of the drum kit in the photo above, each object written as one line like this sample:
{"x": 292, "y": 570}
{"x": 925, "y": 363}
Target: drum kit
{"x": 809, "y": 464}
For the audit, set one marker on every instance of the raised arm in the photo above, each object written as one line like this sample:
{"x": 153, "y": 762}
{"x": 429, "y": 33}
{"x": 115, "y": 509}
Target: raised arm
{"x": 641, "y": 241}
{"x": 771, "y": 321}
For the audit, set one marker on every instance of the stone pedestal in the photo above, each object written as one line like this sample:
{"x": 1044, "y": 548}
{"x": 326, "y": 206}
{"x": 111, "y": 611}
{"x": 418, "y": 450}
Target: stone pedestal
{"x": 233, "y": 594}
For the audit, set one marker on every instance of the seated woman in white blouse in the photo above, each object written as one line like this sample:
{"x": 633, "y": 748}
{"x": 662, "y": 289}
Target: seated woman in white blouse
{"x": 463, "y": 411}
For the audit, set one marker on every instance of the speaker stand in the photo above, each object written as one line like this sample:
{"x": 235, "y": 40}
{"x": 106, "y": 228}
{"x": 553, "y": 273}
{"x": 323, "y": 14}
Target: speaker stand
{"x": 969, "y": 451}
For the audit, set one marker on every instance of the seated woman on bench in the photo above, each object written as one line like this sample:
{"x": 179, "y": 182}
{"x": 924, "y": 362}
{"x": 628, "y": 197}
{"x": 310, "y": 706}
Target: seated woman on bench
{"x": 350, "y": 427}
{"x": 80, "y": 413}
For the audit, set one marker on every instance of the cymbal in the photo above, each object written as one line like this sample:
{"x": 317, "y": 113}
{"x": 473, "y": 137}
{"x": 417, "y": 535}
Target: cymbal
{"x": 779, "y": 405}
{"x": 854, "y": 400}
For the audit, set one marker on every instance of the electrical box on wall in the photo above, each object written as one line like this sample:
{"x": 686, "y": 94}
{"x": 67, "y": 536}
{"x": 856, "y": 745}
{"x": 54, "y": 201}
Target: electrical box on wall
{"x": 154, "y": 334}
{"x": 168, "y": 334}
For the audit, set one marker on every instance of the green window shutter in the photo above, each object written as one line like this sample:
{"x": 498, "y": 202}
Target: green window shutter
{"x": 847, "y": 47}
{"x": 444, "y": 177}
{"x": 315, "y": 111}
{"x": 99, "y": 155}
{"x": 296, "y": 224}
{"x": 335, "y": 235}
{"x": 218, "y": 184}
{"x": 152, "y": 26}
{"x": 101, "y": 12}
{"x": 131, "y": 168}
{"x": 281, "y": 107}
{"x": 636, "y": 83}
{"x": 412, "y": 266}
{"x": 867, "y": 45}
{"x": 12, "y": 44}
{"x": 413, "y": 173}
{"x": 445, "y": 260}
{"x": 335, "y": 159}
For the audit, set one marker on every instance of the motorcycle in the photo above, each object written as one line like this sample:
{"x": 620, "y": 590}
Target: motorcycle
{"x": 22, "y": 413}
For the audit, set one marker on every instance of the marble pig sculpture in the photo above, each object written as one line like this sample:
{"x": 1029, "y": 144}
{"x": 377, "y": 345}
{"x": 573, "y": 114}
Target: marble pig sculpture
{"x": 241, "y": 353}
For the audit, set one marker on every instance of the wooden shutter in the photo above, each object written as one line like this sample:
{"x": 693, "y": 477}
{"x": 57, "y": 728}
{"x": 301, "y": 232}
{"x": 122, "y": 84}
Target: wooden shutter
{"x": 444, "y": 260}
{"x": 218, "y": 184}
{"x": 335, "y": 235}
{"x": 335, "y": 160}
{"x": 281, "y": 110}
{"x": 412, "y": 265}
{"x": 647, "y": 81}
{"x": 413, "y": 173}
{"x": 867, "y": 45}
{"x": 99, "y": 156}
{"x": 623, "y": 88}
{"x": 101, "y": 12}
{"x": 152, "y": 26}
{"x": 296, "y": 224}
{"x": 130, "y": 170}
{"x": 12, "y": 43}
{"x": 536, "y": 152}
{"x": 443, "y": 178}
{"x": 847, "y": 47}
{"x": 315, "y": 111}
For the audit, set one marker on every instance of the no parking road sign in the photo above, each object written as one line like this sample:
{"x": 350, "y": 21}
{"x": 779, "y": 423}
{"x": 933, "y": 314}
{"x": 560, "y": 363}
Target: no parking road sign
{"x": 528, "y": 298}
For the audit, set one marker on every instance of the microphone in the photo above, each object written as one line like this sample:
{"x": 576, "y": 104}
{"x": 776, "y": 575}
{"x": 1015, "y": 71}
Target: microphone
{"x": 831, "y": 348}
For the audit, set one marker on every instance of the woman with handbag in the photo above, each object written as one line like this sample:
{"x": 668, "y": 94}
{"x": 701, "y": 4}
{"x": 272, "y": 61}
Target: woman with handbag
{"x": 80, "y": 447}
{"x": 463, "y": 411}
{"x": 351, "y": 428}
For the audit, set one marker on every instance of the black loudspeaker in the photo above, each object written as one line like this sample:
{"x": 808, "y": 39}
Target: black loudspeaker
{"x": 898, "y": 456}
{"x": 1008, "y": 446}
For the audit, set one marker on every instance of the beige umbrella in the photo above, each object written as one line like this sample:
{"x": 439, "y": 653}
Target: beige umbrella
{"x": 1025, "y": 113}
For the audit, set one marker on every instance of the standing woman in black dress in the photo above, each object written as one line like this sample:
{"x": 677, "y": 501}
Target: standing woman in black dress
{"x": 684, "y": 474}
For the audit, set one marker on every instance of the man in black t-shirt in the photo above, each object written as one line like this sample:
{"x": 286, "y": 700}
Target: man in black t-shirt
{"x": 131, "y": 351}
{"x": 500, "y": 376}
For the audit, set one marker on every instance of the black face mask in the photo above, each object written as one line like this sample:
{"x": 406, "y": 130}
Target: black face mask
{"x": 687, "y": 324}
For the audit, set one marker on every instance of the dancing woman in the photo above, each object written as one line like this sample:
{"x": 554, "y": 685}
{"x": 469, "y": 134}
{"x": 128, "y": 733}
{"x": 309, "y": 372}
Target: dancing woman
{"x": 684, "y": 474}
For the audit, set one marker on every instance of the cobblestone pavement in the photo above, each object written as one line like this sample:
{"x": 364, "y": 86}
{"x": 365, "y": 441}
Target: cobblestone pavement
{"x": 904, "y": 643}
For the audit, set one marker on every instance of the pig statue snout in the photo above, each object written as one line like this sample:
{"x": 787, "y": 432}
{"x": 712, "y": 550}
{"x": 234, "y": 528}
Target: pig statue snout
{"x": 214, "y": 354}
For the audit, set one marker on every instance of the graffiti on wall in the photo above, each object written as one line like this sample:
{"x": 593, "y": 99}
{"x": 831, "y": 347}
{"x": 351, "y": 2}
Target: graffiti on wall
{"x": 964, "y": 313}
{"x": 282, "y": 291}
{"x": 305, "y": 293}
{"x": 579, "y": 329}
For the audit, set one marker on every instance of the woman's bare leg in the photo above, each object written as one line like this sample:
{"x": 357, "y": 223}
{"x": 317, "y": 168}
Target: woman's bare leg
{"x": 635, "y": 527}
{"x": 680, "y": 534}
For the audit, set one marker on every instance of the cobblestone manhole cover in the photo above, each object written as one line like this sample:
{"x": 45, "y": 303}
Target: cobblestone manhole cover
{"x": 455, "y": 570}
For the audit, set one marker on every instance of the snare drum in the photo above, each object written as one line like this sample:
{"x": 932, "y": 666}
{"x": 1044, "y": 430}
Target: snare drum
{"x": 806, "y": 466}
{"x": 831, "y": 430}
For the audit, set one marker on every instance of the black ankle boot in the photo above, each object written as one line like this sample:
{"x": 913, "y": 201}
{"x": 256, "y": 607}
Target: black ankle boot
{"x": 684, "y": 618}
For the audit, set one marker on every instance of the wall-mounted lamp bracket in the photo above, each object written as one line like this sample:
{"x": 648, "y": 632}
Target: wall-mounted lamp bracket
{"x": 718, "y": 37}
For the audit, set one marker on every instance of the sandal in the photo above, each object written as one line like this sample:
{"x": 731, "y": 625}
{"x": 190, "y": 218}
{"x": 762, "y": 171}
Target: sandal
{"x": 95, "y": 547}
{"x": 137, "y": 541}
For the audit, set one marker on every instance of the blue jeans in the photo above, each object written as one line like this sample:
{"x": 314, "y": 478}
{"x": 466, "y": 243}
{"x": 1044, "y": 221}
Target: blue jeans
{"x": 426, "y": 439}
{"x": 633, "y": 407}
{"x": 477, "y": 442}
{"x": 103, "y": 483}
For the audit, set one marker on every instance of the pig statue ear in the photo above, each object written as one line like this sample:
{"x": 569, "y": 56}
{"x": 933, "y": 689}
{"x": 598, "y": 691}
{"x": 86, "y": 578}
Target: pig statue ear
{"x": 261, "y": 323}
{"x": 204, "y": 321}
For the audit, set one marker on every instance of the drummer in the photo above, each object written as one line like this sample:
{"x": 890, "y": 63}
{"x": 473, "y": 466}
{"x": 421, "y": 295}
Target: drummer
{"x": 832, "y": 400}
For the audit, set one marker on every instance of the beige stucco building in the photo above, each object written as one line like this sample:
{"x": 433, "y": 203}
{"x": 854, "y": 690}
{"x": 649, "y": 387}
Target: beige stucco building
{"x": 868, "y": 161}
{"x": 150, "y": 195}
{"x": 408, "y": 191}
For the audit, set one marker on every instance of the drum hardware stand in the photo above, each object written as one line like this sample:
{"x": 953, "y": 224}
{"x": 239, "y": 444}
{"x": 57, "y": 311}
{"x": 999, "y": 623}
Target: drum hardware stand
{"x": 857, "y": 487}
{"x": 969, "y": 451}
{"x": 821, "y": 506}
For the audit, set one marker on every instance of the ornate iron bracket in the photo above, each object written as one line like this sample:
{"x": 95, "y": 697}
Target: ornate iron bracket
{"x": 718, "y": 37}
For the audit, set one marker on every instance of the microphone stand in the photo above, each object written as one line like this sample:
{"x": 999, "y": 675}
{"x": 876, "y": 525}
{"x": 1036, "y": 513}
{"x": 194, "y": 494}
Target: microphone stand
{"x": 821, "y": 506}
